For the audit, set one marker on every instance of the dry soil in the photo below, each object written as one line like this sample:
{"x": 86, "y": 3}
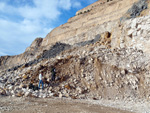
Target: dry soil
{"x": 51, "y": 105}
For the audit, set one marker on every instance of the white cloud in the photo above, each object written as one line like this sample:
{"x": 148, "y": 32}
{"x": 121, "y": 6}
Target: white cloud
{"x": 2, "y": 53}
{"x": 65, "y": 4}
{"x": 24, "y": 31}
{"x": 34, "y": 21}
{"x": 27, "y": 19}
{"x": 45, "y": 9}
{"x": 8, "y": 9}
{"x": 77, "y": 4}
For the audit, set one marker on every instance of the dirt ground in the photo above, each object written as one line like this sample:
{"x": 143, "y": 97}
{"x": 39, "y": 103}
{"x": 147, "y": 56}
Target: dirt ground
{"x": 51, "y": 105}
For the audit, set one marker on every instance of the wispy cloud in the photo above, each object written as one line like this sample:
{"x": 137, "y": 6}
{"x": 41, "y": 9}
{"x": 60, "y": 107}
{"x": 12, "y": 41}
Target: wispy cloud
{"x": 22, "y": 24}
{"x": 77, "y": 4}
{"x": 21, "y": 21}
{"x": 2, "y": 53}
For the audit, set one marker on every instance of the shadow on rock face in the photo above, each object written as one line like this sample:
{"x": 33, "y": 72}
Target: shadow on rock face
{"x": 135, "y": 10}
{"x": 55, "y": 50}
{"x": 97, "y": 38}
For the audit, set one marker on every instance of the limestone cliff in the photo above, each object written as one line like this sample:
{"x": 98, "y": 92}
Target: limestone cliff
{"x": 94, "y": 19}
{"x": 102, "y": 52}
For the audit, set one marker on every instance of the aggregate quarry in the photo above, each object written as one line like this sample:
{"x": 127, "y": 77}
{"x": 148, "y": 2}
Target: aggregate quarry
{"x": 102, "y": 53}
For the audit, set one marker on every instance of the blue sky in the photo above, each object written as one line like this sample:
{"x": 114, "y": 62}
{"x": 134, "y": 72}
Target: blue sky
{"x": 21, "y": 21}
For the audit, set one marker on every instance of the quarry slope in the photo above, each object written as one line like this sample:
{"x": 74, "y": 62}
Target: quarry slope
{"x": 98, "y": 54}
{"x": 90, "y": 21}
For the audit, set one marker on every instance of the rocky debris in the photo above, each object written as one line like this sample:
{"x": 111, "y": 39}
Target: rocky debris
{"x": 15, "y": 68}
{"x": 2, "y": 91}
{"x": 135, "y": 10}
{"x": 93, "y": 69}
{"x": 30, "y": 63}
{"x": 93, "y": 23}
{"x": 78, "y": 77}
{"x": 52, "y": 52}
{"x": 136, "y": 34}
{"x": 56, "y": 49}
{"x": 96, "y": 39}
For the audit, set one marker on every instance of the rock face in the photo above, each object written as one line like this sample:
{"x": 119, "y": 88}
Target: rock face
{"x": 95, "y": 55}
{"x": 35, "y": 44}
{"x": 101, "y": 17}
{"x": 96, "y": 14}
{"x": 7, "y": 62}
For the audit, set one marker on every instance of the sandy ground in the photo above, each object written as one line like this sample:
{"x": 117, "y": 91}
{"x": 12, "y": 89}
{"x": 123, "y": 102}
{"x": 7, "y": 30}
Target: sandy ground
{"x": 52, "y": 105}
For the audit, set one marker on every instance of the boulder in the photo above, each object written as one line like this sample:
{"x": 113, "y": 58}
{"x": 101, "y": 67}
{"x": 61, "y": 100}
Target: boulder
{"x": 73, "y": 97}
{"x": 130, "y": 32}
{"x": 67, "y": 86}
{"x": 19, "y": 94}
{"x": 79, "y": 90}
{"x": 60, "y": 95}
{"x": 27, "y": 94}
{"x": 24, "y": 76}
{"x": 2, "y": 91}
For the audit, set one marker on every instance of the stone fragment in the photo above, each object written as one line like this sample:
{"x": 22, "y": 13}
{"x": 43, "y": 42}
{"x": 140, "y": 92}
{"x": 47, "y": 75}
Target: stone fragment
{"x": 19, "y": 94}
{"x": 27, "y": 94}
{"x": 130, "y": 32}
{"x": 51, "y": 94}
{"x": 134, "y": 33}
{"x": 82, "y": 75}
{"x": 67, "y": 94}
{"x": 12, "y": 92}
{"x": 55, "y": 95}
{"x": 123, "y": 72}
{"x": 139, "y": 33}
{"x": 10, "y": 87}
{"x": 79, "y": 89}
{"x": 44, "y": 95}
{"x": 24, "y": 76}
{"x": 139, "y": 27}
{"x": 21, "y": 85}
{"x": 73, "y": 97}
{"x": 60, "y": 95}
{"x": 134, "y": 24}
{"x": 82, "y": 96}
{"x": 2, "y": 91}
{"x": 67, "y": 87}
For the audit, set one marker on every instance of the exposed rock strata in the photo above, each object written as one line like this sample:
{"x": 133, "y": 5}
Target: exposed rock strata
{"x": 109, "y": 61}
{"x": 79, "y": 28}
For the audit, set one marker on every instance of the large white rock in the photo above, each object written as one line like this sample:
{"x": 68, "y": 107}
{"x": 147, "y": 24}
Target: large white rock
{"x": 130, "y": 32}
{"x": 139, "y": 33}
{"x": 79, "y": 89}
{"x": 51, "y": 94}
{"x": 10, "y": 87}
{"x": 134, "y": 24}
{"x": 27, "y": 94}
{"x": 134, "y": 33}
{"x": 139, "y": 27}
{"x": 60, "y": 95}
{"x": 145, "y": 27}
